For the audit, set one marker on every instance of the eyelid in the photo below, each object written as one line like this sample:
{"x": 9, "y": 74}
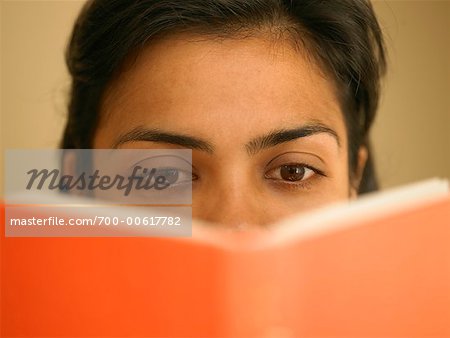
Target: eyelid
{"x": 168, "y": 162}
{"x": 168, "y": 158}
{"x": 179, "y": 182}
{"x": 315, "y": 170}
{"x": 296, "y": 157}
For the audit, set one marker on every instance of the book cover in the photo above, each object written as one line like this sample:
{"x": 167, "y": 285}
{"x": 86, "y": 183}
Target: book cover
{"x": 378, "y": 267}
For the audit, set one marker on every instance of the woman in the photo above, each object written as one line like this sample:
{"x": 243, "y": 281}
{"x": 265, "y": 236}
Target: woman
{"x": 274, "y": 97}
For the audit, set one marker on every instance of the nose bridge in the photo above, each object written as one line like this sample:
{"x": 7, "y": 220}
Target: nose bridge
{"x": 233, "y": 202}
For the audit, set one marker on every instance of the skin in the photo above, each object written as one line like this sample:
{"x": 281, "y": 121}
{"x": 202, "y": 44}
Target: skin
{"x": 228, "y": 94}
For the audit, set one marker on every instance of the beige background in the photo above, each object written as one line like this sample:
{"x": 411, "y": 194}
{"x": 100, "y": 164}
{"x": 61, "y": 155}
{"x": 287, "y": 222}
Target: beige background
{"x": 411, "y": 136}
{"x": 412, "y": 133}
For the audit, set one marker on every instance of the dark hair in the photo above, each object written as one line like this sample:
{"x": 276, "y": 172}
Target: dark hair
{"x": 343, "y": 36}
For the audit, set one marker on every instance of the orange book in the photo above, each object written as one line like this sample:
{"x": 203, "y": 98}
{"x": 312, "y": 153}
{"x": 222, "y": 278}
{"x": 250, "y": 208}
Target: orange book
{"x": 378, "y": 267}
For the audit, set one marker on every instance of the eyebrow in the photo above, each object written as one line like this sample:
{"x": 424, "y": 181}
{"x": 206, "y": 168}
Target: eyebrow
{"x": 157, "y": 135}
{"x": 280, "y": 136}
{"x": 256, "y": 145}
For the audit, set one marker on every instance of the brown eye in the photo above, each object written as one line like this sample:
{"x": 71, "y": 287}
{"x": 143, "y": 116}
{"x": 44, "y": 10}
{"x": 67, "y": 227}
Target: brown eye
{"x": 293, "y": 172}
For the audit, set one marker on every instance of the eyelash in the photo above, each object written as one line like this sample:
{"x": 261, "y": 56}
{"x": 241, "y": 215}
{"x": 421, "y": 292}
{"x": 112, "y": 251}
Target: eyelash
{"x": 296, "y": 185}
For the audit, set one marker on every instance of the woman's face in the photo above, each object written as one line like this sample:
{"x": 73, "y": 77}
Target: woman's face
{"x": 267, "y": 134}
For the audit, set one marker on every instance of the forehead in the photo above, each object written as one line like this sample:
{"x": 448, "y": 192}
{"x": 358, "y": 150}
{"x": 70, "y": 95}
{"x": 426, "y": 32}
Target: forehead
{"x": 245, "y": 86}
